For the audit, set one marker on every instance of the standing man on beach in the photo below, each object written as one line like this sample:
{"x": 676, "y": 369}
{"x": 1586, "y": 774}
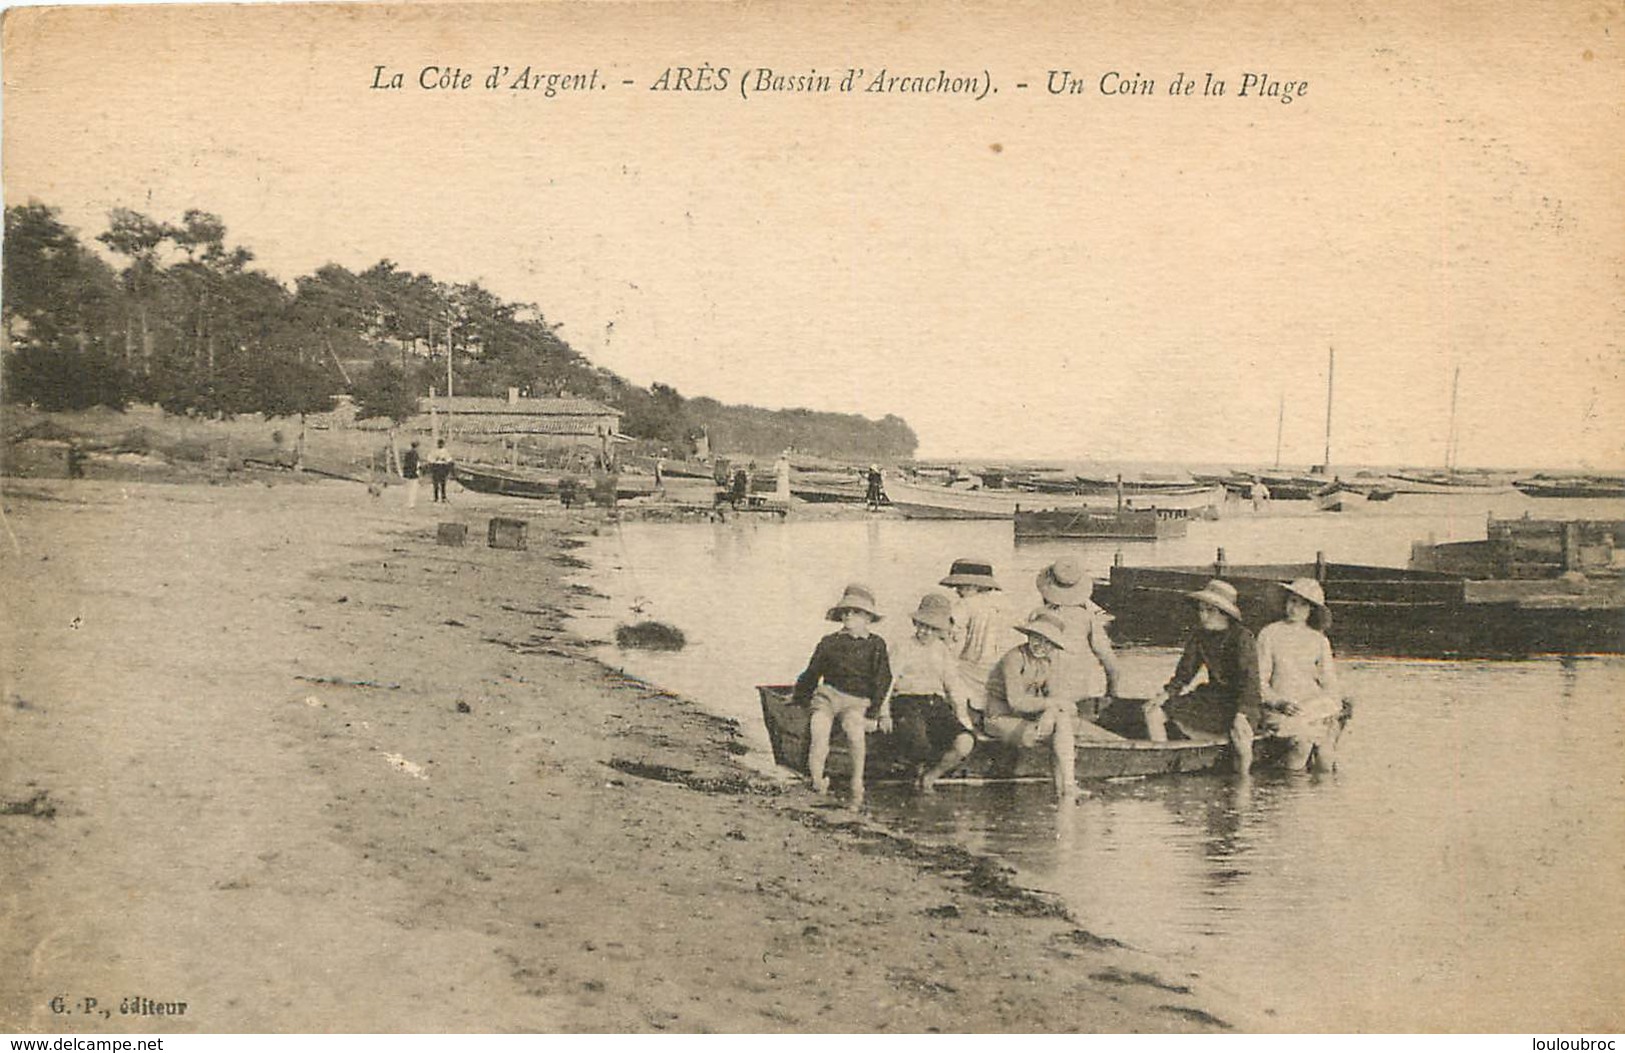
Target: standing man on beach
{"x": 440, "y": 469}
{"x": 409, "y": 471}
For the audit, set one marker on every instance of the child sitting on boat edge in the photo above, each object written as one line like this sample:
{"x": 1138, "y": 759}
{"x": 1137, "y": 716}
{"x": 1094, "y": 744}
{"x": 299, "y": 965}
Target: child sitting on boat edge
{"x": 932, "y": 720}
{"x": 1029, "y": 701}
{"x": 847, "y": 681}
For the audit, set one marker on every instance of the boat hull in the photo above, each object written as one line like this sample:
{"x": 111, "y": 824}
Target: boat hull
{"x": 507, "y": 483}
{"x": 787, "y": 730}
{"x": 1085, "y": 524}
{"x": 1533, "y": 488}
{"x": 1381, "y": 610}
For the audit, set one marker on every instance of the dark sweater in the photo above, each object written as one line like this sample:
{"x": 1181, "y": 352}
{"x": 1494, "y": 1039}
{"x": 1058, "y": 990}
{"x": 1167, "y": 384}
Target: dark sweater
{"x": 856, "y": 666}
{"x": 1230, "y": 657}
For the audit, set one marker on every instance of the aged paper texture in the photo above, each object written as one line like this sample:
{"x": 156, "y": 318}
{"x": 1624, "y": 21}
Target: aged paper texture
{"x": 277, "y": 755}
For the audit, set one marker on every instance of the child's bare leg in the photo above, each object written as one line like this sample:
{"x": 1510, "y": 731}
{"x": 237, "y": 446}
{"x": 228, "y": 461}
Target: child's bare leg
{"x": 961, "y": 748}
{"x": 852, "y": 723}
{"x": 1156, "y": 722}
{"x": 818, "y": 747}
{"x": 1065, "y": 768}
{"x": 1241, "y": 744}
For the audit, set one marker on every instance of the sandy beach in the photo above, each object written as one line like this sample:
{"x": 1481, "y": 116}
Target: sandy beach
{"x": 272, "y": 752}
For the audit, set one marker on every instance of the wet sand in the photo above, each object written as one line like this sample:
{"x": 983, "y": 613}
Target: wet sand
{"x": 271, "y": 751}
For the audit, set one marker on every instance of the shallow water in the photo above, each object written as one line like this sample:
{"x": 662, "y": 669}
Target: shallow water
{"x": 1461, "y": 871}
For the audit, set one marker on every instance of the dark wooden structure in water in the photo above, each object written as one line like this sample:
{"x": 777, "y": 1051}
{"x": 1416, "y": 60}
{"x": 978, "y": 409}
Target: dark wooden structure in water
{"x": 1385, "y": 610}
{"x": 1085, "y": 523}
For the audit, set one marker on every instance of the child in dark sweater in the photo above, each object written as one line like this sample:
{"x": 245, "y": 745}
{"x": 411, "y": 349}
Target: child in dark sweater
{"x": 846, "y": 682}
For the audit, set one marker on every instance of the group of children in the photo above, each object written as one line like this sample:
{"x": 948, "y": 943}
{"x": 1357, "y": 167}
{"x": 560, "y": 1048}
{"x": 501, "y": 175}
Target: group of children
{"x": 952, "y": 683}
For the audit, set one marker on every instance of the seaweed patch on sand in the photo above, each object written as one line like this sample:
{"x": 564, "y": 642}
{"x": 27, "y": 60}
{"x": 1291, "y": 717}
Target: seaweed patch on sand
{"x": 650, "y": 636}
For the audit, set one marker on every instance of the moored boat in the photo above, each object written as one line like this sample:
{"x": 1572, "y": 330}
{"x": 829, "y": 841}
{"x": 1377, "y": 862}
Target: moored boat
{"x": 1591, "y": 486}
{"x": 787, "y": 732}
{"x": 1384, "y": 610}
{"x": 1083, "y": 522}
{"x": 1346, "y": 497}
{"x": 926, "y": 501}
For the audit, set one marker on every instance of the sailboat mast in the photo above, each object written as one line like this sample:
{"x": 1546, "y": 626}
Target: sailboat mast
{"x": 1331, "y": 368}
{"x": 1450, "y": 442}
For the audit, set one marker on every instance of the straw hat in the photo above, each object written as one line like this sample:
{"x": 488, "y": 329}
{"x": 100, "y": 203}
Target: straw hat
{"x": 1220, "y": 595}
{"x": 855, "y": 598}
{"x": 1320, "y": 616}
{"x": 1064, "y": 583}
{"x": 935, "y": 611}
{"x": 970, "y": 572}
{"x": 1046, "y": 625}
{"x": 1308, "y": 589}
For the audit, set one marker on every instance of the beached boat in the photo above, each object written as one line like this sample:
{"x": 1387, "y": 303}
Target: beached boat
{"x": 787, "y": 733}
{"x": 544, "y": 485}
{"x": 1590, "y": 486}
{"x": 1082, "y": 522}
{"x": 509, "y": 482}
{"x": 1384, "y": 610}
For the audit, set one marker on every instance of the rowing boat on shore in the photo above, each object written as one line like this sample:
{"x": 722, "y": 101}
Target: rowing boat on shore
{"x": 787, "y": 732}
{"x": 508, "y": 482}
{"x": 543, "y": 485}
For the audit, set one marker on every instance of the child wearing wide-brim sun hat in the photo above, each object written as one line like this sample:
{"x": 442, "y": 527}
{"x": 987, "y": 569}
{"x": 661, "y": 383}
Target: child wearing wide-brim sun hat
{"x": 978, "y": 638}
{"x": 846, "y": 681}
{"x": 932, "y": 721}
{"x": 1228, "y": 702}
{"x": 1301, "y": 698}
{"x": 1029, "y": 700}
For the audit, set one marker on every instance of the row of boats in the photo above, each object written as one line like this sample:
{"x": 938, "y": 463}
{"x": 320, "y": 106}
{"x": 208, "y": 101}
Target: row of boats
{"x": 997, "y": 494}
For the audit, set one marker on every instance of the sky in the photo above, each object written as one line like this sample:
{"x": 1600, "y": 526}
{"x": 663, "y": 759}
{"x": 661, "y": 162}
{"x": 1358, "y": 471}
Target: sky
{"x": 1024, "y": 275}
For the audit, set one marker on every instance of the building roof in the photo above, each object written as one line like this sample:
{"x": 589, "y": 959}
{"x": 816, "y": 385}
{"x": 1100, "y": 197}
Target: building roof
{"x": 519, "y": 424}
{"x": 520, "y": 407}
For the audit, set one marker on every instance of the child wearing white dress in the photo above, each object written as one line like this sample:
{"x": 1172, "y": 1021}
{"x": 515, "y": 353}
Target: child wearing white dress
{"x": 1301, "y": 698}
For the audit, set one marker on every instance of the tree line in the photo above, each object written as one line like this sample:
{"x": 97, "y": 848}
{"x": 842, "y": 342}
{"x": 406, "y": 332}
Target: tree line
{"x": 173, "y": 313}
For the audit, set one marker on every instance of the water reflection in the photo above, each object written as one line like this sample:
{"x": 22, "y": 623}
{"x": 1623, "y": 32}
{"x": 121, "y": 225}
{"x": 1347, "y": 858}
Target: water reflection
{"x": 1476, "y": 820}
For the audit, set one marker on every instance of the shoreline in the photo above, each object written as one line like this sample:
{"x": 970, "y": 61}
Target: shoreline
{"x": 363, "y": 782}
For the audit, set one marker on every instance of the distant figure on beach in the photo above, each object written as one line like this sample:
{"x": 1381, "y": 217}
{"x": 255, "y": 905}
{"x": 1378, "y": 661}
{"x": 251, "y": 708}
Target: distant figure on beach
{"x": 440, "y": 469}
{"x": 1228, "y": 703}
{"x": 1259, "y": 493}
{"x": 876, "y": 494}
{"x": 1301, "y": 699}
{"x": 76, "y": 461}
{"x": 410, "y": 462}
{"x": 977, "y": 620}
{"x": 740, "y": 494}
{"x": 933, "y": 723}
{"x": 1030, "y": 703}
{"x": 660, "y": 473}
{"x": 847, "y": 681}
